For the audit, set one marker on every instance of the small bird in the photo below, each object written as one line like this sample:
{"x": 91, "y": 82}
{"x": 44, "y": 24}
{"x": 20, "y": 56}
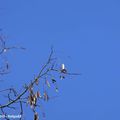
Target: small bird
{"x": 63, "y": 70}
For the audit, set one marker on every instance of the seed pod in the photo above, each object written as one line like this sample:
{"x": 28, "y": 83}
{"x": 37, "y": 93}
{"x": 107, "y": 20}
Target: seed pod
{"x": 34, "y": 99}
{"x": 38, "y": 94}
{"x": 36, "y": 117}
{"x": 31, "y": 89}
{"x": 46, "y": 97}
{"x": 36, "y": 81}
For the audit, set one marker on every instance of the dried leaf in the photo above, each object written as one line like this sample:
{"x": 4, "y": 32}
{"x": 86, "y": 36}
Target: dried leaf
{"x": 38, "y": 94}
{"x": 53, "y": 81}
{"x": 56, "y": 89}
{"x": 46, "y": 97}
{"x": 34, "y": 99}
{"x": 36, "y": 81}
{"x": 36, "y": 117}
{"x": 47, "y": 83}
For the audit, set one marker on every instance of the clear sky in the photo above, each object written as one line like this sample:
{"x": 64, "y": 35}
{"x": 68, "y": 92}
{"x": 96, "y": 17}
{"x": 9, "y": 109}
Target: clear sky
{"x": 86, "y": 37}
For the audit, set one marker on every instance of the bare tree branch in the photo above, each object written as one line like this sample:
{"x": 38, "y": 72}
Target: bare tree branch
{"x": 29, "y": 96}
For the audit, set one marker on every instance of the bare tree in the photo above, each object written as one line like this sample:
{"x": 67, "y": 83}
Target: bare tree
{"x": 31, "y": 95}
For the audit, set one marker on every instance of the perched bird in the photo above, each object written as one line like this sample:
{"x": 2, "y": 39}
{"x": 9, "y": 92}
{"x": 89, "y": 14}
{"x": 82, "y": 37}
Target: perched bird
{"x": 63, "y": 69}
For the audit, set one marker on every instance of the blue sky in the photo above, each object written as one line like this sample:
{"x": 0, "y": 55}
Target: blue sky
{"x": 86, "y": 37}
